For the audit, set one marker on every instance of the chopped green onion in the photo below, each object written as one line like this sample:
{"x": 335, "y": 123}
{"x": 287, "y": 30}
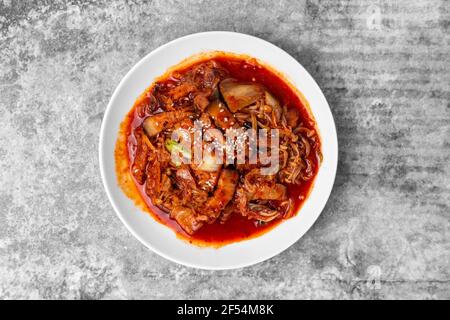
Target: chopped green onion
{"x": 173, "y": 146}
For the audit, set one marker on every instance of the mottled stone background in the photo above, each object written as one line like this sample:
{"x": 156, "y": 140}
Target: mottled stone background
{"x": 384, "y": 68}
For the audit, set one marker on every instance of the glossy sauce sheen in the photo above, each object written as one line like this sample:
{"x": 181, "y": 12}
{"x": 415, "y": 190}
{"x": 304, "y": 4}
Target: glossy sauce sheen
{"x": 237, "y": 228}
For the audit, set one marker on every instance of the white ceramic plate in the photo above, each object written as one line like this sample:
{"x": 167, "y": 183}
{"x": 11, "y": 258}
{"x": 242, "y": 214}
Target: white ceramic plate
{"x": 160, "y": 238}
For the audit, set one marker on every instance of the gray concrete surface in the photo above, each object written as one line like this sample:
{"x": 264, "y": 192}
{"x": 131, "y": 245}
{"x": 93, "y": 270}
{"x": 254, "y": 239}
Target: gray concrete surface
{"x": 384, "y": 67}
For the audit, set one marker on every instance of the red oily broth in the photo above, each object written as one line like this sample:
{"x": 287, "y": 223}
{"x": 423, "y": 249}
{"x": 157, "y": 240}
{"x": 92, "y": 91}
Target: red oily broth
{"x": 237, "y": 228}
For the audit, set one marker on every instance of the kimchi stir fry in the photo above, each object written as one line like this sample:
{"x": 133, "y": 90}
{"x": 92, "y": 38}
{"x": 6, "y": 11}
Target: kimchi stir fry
{"x": 179, "y": 145}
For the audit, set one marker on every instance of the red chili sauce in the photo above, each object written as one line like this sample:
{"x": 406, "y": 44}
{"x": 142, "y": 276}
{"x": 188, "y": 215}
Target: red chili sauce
{"x": 237, "y": 228}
